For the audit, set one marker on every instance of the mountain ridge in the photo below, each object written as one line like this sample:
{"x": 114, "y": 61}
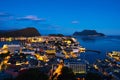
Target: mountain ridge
{"x": 25, "y": 32}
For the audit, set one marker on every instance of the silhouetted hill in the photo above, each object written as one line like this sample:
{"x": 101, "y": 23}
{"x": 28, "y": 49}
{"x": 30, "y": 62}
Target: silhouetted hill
{"x": 59, "y": 35}
{"x": 88, "y": 33}
{"x": 27, "y": 32}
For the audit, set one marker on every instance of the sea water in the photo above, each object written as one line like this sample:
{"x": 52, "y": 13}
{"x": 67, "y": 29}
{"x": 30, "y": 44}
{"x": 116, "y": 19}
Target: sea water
{"x": 103, "y": 44}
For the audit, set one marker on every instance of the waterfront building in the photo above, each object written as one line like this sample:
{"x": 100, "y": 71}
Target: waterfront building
{"x": 78, "y": 66}
{"x": 115, "y": 55}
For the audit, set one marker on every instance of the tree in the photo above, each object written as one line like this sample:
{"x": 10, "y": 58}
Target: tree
{"x": 66, "y": 74}
{"x": 93, "y": 76}
{"x": 32, "y": 74}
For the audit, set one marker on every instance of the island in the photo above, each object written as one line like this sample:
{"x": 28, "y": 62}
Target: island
{"x": 88, "y": 33}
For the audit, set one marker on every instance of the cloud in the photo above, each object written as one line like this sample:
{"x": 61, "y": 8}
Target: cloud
{"x": 3, "y": 14}
{"x": 30, "y": 17}
{"x": 75, "y": 22}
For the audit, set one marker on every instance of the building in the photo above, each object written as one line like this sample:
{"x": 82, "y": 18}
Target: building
{"x": 13, "y": 48}
{"x": 78, "y": 66}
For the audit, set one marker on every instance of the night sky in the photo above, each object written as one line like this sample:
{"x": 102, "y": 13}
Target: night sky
{"x": 61, "y": 16}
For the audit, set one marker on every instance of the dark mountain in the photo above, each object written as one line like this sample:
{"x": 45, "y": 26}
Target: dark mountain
{"x": 27, "y": 32}
{"x": 59, "y": 35}
{"x": 5, "y": 31}
{"x": 88, "y": 33}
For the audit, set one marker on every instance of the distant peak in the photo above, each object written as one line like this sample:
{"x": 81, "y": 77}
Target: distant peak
{"x": 88, "y": 33}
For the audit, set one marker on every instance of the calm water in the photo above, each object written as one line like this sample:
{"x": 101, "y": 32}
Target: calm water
{"x": 103, "y": 44}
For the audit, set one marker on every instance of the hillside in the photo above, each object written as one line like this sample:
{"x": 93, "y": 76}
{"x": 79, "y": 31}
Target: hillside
{"x": 27, "y": 32}
{"x": 59, "y": 35}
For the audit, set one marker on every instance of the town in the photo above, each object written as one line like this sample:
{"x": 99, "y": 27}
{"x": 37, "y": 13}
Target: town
{"x": 50, "y": 55}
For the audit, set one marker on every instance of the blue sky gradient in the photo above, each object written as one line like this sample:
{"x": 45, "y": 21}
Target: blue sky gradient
{"x": 61, "y": 16}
